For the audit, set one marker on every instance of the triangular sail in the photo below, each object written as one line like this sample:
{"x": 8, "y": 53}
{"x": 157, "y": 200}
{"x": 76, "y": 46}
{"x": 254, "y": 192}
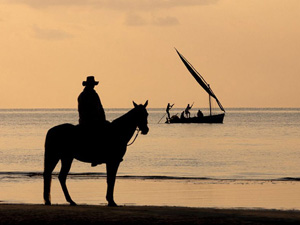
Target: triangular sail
{"x": 199, "y": 79}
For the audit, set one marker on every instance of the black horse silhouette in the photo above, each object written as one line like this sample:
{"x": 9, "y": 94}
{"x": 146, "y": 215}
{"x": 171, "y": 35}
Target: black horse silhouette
{"x": 64, "y": 142}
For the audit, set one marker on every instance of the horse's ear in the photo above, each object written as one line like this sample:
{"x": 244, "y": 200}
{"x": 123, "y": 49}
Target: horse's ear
{"x": 135, "y": 105}
{"x": 146, "y": 103}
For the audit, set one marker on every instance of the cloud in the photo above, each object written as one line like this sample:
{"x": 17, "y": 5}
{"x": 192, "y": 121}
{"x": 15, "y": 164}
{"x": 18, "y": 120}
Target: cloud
{"x": 50, "y": 34}
{"x": 139, "y": 5}
{"x": 166, "y": 21}
{"x": 134, "y": 19}
{"x": 134, "y": 10}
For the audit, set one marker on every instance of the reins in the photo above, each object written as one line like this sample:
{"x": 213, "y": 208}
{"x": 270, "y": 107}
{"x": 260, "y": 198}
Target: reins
{"x": 138, "y": 131}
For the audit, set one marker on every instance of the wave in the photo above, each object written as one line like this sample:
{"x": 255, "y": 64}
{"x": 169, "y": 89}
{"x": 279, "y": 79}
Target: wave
{"x": 97, "y": 175}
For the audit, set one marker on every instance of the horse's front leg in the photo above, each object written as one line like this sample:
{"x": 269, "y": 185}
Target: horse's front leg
{"x": 111, "y": 171}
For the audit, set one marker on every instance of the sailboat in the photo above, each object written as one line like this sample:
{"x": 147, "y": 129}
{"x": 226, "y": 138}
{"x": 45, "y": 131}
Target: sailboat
{"x": 211, "y": 118}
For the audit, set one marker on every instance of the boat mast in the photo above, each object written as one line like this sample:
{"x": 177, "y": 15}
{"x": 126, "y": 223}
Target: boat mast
{"x": 209, "y": 101}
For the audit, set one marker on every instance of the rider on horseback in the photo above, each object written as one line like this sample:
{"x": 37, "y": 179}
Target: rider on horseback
{"x": 90, "y": 109}
{"x": 91, "y": 113}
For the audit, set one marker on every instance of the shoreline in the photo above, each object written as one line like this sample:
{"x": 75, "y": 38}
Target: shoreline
{"x": 91, "y": 214}
{"x": 278, "y": 195}
{"x": 102, "y": 175}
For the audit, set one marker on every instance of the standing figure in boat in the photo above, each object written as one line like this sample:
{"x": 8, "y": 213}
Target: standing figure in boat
{"x": 187, "y": 110}
{"x": 169, "y": 107}
{"x": 91, "y": 112}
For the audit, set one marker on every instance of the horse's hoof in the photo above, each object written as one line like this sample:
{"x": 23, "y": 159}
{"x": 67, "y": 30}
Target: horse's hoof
{"x": 112, "y": 204}
{"x": 47, "y": 203}
{"x": 73, "y": 203}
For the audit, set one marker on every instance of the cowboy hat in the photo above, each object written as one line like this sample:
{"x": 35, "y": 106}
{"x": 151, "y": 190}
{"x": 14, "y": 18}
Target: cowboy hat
{"x": 90, "y": 81}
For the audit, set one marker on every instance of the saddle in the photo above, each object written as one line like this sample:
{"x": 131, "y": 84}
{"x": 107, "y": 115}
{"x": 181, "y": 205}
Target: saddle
{"x": 96, "y": 142}
{"x": 91, "y": 135}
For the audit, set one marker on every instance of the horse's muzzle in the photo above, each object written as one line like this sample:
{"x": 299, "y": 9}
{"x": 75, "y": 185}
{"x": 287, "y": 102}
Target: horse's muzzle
{"x": 145, "y": 131}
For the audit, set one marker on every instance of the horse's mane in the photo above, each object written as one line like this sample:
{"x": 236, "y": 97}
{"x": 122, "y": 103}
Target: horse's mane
{"x": 127, "y": 116}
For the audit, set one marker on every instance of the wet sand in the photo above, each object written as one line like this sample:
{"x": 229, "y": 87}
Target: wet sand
{"x": 280, "y": 195}
{"x": 87, "y": 214}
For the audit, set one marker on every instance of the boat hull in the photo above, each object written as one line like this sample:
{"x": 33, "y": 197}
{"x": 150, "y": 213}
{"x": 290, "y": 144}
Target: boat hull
{"x": 205, "y": 119}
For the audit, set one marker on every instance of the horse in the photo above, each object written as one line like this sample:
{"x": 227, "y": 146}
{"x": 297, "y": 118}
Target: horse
{"x": 64, "y": 142}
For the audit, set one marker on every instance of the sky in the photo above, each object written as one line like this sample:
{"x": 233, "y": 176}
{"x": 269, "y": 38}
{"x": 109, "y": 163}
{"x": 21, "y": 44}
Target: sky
{"x": 248, "y": 51}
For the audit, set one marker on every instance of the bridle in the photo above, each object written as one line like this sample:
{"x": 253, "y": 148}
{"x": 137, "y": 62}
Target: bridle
{"x": 138, "y": 129}
{"x": 137, "y": 133}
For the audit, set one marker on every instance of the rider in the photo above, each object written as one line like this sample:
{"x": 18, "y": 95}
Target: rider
{"x": 90, "y": 109}
{"x": 91, "y": 113}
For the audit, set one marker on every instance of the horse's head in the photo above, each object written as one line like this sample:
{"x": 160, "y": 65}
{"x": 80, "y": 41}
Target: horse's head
{"x": 142, "y": 117}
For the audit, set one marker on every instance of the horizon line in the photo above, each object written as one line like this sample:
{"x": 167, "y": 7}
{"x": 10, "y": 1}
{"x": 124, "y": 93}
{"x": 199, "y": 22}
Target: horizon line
{"x": 73, "y": 108}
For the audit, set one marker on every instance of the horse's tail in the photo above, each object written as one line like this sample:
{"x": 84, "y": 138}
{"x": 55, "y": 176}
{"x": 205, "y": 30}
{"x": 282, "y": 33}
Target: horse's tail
{"x": 54, "y": 144}
{"x": 50, "y": 161}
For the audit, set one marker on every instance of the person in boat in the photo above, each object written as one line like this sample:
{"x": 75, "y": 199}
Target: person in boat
{"x": 182, "y": 116}
{"x": 169, "y": 107}
{"x": 175, "y": 117}
{"x": 92, "y": 120}
{"x": 199, "y": 114}
{"x": 187, "y": 110}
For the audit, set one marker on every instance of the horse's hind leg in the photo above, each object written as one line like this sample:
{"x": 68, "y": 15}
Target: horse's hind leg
{"x": 50, "y": 163}
{"x": 65, "y": 168}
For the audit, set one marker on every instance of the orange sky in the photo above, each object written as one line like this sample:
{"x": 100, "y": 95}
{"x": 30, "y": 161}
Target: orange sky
{"x": 248, "y": 51}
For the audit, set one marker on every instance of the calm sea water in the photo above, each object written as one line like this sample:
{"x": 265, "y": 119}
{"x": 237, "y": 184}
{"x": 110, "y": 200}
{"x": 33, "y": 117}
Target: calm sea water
{"x": 250, "y": 144}
{"x": 251, "y": 147}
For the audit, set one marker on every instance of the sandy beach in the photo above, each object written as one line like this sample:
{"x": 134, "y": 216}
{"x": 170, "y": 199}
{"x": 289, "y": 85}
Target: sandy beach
{"x": 87, "y": 214}
{"x": 279, "y": 195}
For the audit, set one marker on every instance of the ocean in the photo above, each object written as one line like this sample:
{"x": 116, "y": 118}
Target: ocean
{"x": 252, "y": 145}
